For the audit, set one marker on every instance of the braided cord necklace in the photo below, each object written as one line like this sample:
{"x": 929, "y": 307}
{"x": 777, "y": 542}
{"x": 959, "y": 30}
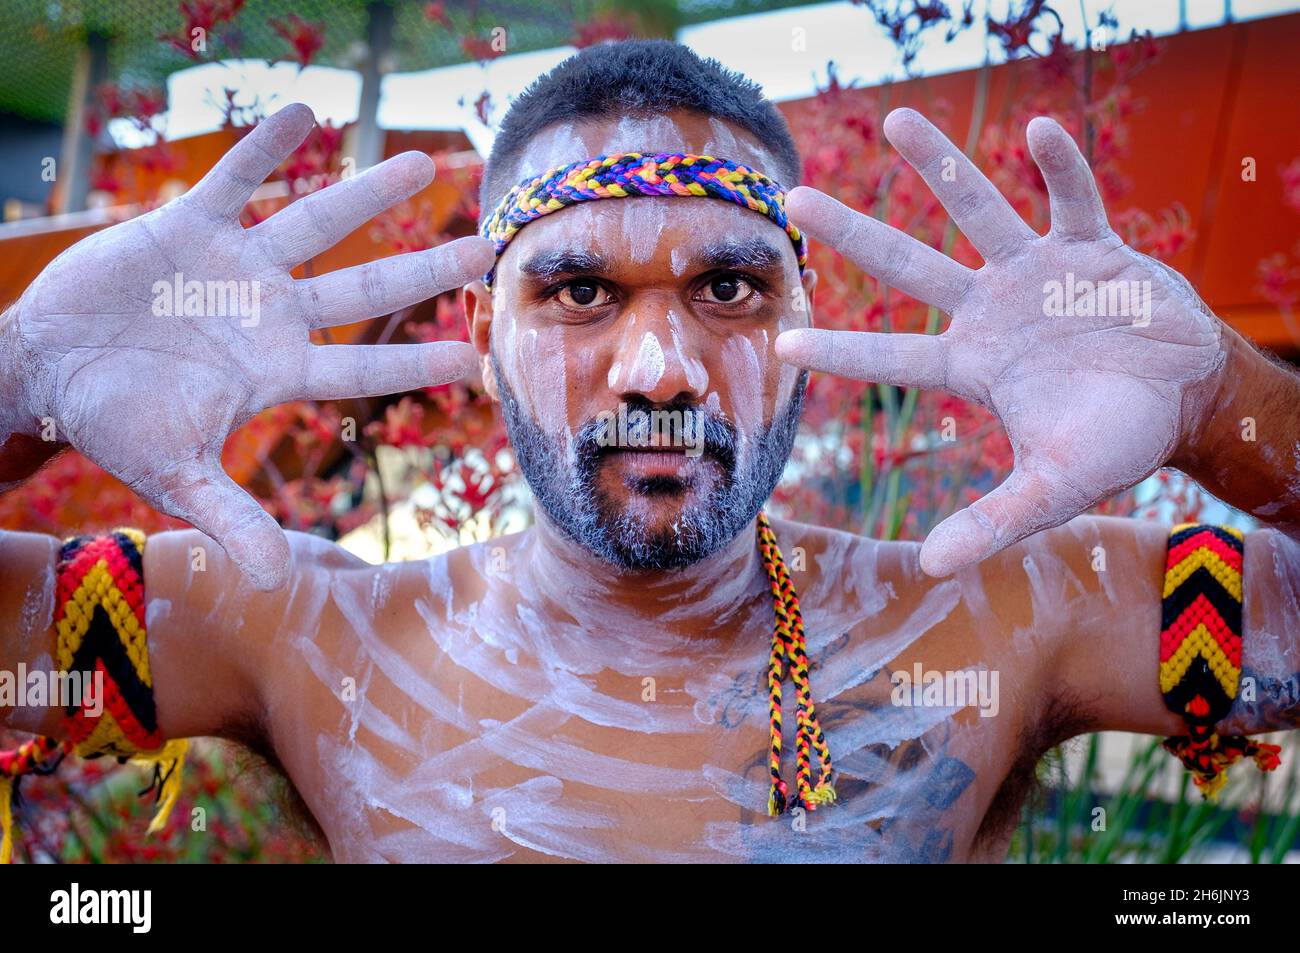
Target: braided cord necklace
{"x": 789, "y": 652}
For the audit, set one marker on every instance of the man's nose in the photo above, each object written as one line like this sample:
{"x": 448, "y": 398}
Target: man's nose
{"x": 656, "y": 361}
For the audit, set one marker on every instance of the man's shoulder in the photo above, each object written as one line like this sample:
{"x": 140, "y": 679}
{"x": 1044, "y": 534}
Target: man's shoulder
{"x": 832, "y": 544}
{"x": 845, "y": 579}
{"x": 306, "y": 550}
{"x": 829, "y": 559}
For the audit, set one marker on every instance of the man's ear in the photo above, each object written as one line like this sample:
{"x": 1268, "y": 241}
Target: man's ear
{"x": 477, "y": 298}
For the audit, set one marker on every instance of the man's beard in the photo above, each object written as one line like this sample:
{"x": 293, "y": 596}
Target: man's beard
{"x": 567, "y": 486}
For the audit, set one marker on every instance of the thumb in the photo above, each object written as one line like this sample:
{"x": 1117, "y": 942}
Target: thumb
{"x": 1026, "y": 502}
{"x": 203, "y": 495}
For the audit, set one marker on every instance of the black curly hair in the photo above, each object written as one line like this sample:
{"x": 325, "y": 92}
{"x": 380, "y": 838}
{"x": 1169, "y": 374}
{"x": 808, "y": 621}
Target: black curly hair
{"x": 634, "y": 78}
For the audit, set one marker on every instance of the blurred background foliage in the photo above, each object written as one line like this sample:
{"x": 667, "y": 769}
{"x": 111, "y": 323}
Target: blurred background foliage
{"x": 431, "y": 470}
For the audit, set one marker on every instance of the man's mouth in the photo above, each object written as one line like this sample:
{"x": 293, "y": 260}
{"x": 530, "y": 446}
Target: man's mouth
{"x": 659, "y": 456}
{"x": 654, "y": 461}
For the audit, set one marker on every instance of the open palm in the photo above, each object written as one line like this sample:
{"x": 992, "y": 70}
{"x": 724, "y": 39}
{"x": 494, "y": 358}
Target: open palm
{"x": 1095, "y": 391}
{"x": 151, "y": 393}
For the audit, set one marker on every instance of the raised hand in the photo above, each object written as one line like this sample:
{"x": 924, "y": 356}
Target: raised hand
{"x": 151, "y": 395}
{"x": 1092, "y": 402}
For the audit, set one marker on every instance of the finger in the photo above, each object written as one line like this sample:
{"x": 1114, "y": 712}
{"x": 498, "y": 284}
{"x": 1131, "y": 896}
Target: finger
{"x": 978, "y": 208}
{"x": 1027, "y": 502}
{"x": 908, "y": 360}
{"x": 897, "y": 259}
{"x": 1077, "y": 211}
{"x": 229, "y": 184}
{"x": 342, "y": 371}
{"x": 202, "y": 494}
{"x": 388, "y": 284}
{"x": 312, "y": 224}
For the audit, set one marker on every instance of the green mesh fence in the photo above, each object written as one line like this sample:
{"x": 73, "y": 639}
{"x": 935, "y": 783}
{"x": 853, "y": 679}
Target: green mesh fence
{"x": 40, "y": 39}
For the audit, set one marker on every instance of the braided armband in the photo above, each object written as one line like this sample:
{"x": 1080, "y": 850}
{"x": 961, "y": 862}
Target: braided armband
{"x": 100, "y": 633}
{"x": 1200, "y": 651}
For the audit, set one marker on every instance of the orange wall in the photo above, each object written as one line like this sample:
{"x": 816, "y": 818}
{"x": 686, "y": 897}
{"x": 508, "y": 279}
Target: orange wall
{"x": 1210, "y": 99}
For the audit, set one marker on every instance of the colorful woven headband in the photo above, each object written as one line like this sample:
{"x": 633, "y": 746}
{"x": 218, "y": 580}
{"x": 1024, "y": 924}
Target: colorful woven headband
{"x": 625, "y": 174}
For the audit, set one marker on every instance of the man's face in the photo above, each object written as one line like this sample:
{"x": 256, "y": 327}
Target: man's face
{"x": 631, "y": 344}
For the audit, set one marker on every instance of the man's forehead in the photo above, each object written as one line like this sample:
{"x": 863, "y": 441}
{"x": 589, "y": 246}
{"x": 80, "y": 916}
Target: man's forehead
{"x": 640, "y": 229}
{"x": 679, "y": 131}
{"x": 685, "y": 234}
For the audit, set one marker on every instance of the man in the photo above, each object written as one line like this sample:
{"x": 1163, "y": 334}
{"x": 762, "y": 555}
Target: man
{"x": 596, "y": 687}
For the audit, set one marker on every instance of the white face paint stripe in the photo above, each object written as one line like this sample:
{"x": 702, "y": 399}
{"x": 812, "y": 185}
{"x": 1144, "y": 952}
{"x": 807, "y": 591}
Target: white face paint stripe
{"x": 678, "y": 260}
{"x": 648, "y": 368}
{"x": 431, "y": 806}
{"x": 643, "y": 221}
{"x": 696, "y": 375}
{"x": 746, "y": 382}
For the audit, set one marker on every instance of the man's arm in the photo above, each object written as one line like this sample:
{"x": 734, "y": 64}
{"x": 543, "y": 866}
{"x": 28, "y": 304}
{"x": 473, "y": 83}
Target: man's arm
{"x": 1246, "y": 448}
{"x": 1095, "y": 395}
{"x": 100, "y": 354}
{"x": 1094, "y": 587}
{"x": 22, "y": 451}
{"x": 1270, "y": 700}
{"x": 201, "y": 677}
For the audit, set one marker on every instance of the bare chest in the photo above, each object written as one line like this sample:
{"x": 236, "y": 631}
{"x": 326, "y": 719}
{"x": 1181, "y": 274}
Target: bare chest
{"x": 467, "y": 749}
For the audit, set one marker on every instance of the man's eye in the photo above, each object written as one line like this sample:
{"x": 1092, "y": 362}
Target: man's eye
{"x": 727, "y": 289}
{"x": 582, "y": 294}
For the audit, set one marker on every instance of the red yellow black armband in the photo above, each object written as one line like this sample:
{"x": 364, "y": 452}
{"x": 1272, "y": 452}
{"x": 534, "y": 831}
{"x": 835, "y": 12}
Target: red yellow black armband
{"x": 1200, "y": 651}
{"x": 100, "y": 633}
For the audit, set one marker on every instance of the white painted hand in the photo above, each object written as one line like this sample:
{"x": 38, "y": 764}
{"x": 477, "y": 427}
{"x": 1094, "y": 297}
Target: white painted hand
{"x": 1091, "y": 404}
{"x": 152, "y": 397}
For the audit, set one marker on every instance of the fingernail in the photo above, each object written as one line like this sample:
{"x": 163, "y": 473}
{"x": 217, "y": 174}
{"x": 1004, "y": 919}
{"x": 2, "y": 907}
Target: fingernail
{"x": 262, "y": 558}
{"x": 462, "y": 358}
{"x": 961, "y": 540}
{"x": 474, "y": 254}
{"x": 796, "y": 346}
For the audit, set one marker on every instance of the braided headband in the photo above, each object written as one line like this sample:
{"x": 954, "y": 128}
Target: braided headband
{"x": 1200, "y": 651}
{"x": 625, "y": 174}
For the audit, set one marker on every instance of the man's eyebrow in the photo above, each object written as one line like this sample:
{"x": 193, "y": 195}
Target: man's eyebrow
{"x": 756, "y": 253}
{"x": 548, "y": 264}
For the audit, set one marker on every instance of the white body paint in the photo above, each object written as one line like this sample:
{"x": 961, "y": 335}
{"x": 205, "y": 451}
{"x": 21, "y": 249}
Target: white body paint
{"x": 645, "y": 373}
{"x": 421, "y": 768}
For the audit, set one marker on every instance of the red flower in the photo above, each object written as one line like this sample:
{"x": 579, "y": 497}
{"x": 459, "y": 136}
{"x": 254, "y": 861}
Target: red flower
{"x": 1291, "y": 184}
{"x": 407, "y": 226}
{"x": 1277, "y": 280}
{"x": 610, "y": 25}
{"x": 480, "y": 48}
{"x": 312, "y": 165}
{"x": 203, "y": 15}
{"x": 482, "y": 107}
{"x": 402, "y": 426}
{"x": 1017, "y": 31}
{"x": 305, "y": 38}
{"x": 436, "y": 11}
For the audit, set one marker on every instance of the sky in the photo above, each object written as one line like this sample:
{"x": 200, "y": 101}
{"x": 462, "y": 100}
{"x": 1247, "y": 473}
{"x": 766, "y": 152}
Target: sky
{"x": 761, "y": 46}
